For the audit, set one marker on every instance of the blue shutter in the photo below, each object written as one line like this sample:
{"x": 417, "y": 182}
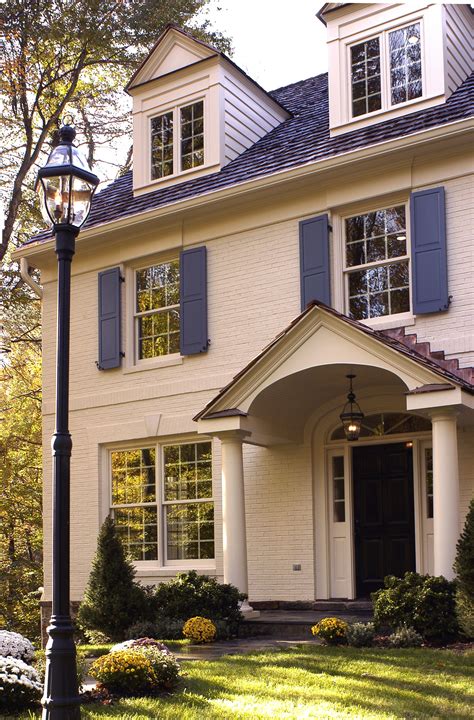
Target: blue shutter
{"x": 314, "y": 261}
{"x": 429, "y": 253}
{"x": 109, "y": 319}
{"x": 193, "y": 304}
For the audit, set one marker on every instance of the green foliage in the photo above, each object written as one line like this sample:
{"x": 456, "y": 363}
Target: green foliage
{"x": 331, "y": 629}
{"x": 464, "y": 569}
{"x": 423, "y": 602}
{"x": 190, "y": 594}
{"x": 465, "y": 613}
{"x": 360, "y": 634}
{"x": 164, "y": 664}
{"x": 405, "y": 637}
{"x": 129, "y": 672}
{"x": 112, "y": 596}
{"x": 161, "y": 629}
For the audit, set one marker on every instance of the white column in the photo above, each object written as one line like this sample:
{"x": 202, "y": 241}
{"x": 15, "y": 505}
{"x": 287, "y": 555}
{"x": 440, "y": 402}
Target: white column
{"x": 445, "y": 492}
{"x": 233, "y": 515}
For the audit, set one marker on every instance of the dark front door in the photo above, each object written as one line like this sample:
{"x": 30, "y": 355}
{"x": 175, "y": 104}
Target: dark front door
{"x": 383, "y": 514}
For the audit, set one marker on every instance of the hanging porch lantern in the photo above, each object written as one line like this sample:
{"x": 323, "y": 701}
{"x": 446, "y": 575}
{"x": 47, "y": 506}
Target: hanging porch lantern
{"x": 351, "y": 416}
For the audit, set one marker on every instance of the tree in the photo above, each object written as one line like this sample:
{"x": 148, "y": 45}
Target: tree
{"x": 20, "y": 464}
{"x": 112, "y": 599}
{"x": 464, "y": 569}
{"x": 64, "y": 56}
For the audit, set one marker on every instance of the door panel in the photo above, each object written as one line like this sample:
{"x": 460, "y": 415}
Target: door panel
{"x": 383, "y": 514}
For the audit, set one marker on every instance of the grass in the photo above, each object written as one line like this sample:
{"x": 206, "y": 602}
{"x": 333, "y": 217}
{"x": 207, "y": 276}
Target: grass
{"x": 313, "y": 682}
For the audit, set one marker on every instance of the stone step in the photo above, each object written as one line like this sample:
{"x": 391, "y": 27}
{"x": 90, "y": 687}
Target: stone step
{"x": 296, "y": 624}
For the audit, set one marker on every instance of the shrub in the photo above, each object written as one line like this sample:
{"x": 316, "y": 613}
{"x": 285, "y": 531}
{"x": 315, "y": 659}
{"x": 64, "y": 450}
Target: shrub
{"x": 162, "y": 629}
{"x": 140, "y": 643}
{"x": 14, "y": 645}
{"x": 189, "y": 595}
{"x": 164, "y": 664}
{"x": 331, "y": 630}
{"x": 405, "y": 637}
{"x": 199, "y": 629}
{"x": 464, "y": 568}
{"x": 125, "y": 671}
{"x": 20, "y": 685}
{"x": 360, "y": 634}
{"x": 112, "y": 596}
{"x": 423, "y": 602}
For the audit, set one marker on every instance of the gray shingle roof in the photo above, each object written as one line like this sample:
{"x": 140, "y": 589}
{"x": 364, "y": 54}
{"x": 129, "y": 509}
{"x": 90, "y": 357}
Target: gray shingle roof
{"x": 303, "y": 138}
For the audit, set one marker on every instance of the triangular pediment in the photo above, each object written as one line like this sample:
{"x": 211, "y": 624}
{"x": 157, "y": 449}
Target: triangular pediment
{"x": 173, "y": 51}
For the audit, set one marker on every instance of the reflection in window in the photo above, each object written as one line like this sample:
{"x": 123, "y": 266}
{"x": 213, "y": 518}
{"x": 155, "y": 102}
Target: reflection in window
{"x": 339, "y": 504}
{"x": 162, "y": 146}
{"x": 388, "y": 424}
{"x": 192, "y": 135}
{"x": 134, "y": 501}
{"x": 374, "y": 240}
{"x": 157, "y": 310}
{"x": 365, "y": 72}
{"x": 405, "y": 64}
{"x": 187, "y": 481}
{"x": 429, "y": 481}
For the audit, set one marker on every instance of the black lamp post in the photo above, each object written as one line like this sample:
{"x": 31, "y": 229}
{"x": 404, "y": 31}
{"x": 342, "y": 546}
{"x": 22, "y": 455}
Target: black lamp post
{"x": 66, "y": 186}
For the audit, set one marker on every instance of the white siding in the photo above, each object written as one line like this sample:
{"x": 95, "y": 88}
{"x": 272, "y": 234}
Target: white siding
{"x": 459, "y": 38}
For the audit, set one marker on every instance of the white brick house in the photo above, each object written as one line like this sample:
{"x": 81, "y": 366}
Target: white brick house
{"x": 335, "y": 230}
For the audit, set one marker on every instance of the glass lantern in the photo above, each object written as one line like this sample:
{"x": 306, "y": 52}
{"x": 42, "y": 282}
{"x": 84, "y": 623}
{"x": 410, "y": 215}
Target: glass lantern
{"x": 351, "y": 416}
{"x": 66, "y": 184}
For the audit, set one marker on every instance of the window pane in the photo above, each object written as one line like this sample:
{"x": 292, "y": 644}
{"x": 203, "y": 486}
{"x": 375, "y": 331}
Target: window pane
{"x": 187, "y": 471}
{"x": 339, "y": 509}
{"x": 405, "y": 64}
{"x": 133, "y": 476}
{"x": 190, "y": 531}
{"x": 192, "y": 136}
{"x": 158, "y": 288}
{"x": 429, "y": 481}
{"x": 365, "y": 73}
{"x": 137, "y": 529}
{"x": 162, "y": 146}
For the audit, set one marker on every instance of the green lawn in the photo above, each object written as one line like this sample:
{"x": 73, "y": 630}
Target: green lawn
{"x": 314, "y": 682}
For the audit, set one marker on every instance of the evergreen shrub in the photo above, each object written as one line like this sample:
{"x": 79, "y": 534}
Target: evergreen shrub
{"x": 189, "y": 595}
{"x": 112, "y": 597}
{"x": 405, "y": 637}
{"x": 423, "y": 602}
{"x": 464, "y": 569}
{"x": 360, "y": 634}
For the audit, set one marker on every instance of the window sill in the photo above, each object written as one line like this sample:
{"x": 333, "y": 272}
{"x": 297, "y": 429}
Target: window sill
{"x": 146, "y": 568}
{"x": 390, "y": 322}
{"x": 155, "y": 363}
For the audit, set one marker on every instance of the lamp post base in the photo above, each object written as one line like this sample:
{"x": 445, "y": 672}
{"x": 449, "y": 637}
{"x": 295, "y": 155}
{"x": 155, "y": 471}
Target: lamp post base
{"x": 61, "y": 699}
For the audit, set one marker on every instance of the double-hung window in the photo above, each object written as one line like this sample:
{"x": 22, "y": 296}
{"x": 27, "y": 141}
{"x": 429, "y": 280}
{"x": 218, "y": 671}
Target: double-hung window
{"x": 162, "y": 504}
{"x": 177, "y": 140}
{"x": 157, "y": 321}
{"x": 377, "y": 263}
{"x": 391, "y": 60}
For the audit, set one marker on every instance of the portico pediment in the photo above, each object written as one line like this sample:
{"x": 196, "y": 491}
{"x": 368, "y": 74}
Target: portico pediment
{"x": 307, "y": 364}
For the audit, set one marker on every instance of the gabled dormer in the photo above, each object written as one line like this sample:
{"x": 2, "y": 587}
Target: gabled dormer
{"x": 194, "y": 111}
{"x": 387, "y": 60}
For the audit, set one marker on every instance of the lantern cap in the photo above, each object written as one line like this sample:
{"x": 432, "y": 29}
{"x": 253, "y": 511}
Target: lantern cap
{"x": 67, "y": 133}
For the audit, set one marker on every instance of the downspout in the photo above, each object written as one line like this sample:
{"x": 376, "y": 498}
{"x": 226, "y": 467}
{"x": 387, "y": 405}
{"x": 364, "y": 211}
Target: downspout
{"x": 25, "y": 275}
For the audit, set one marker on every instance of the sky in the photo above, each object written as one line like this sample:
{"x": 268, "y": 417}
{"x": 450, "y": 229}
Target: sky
{"x": 276, "y": 42}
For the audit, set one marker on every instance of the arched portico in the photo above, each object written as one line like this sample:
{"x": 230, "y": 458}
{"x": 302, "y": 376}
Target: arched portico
{"x": 292, "y": 395}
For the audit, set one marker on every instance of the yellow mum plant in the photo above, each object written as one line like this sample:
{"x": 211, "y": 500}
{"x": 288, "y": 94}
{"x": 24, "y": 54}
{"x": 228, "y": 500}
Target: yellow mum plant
{"x": 125, "y": 671}
{"x": 331, "y": 629}
{"x": 199, "y": 629}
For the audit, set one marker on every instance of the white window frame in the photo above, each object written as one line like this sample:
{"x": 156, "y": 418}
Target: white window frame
{"x": 161, "y": 563}
{"x": 386, "y": 95}
{"x": 395, "y": 319}
{"x": 176, "y": 110}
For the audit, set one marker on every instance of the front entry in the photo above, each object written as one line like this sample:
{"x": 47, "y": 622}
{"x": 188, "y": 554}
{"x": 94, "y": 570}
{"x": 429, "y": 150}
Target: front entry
{"x": 383, "y": 514}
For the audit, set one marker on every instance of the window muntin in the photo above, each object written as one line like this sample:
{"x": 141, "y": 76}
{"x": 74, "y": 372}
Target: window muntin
{"x": 377, "y": 263}
{"x": 429, "y": 481}
{"x": 157, "y": 310}
{"x": 192, "y": 135}
{"x": 338, "y": 489}
{"x": 405, "y": 64}
{"x": 383, "y": 424}
{"x": 187, "y": 489}
{"x": 366, "y": 77}
{"x": 162, "y": 146}
{"x": 134, "y": 501}
{"x": 186, "y": 501}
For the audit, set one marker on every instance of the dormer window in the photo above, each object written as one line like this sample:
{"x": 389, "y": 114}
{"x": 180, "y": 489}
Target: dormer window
{"x": 189, "y": 121}
{"x": 386, "y": 70}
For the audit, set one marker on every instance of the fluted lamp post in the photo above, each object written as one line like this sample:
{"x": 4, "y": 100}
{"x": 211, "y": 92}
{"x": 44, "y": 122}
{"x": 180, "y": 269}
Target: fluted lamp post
{"x": 66, "y": 186}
